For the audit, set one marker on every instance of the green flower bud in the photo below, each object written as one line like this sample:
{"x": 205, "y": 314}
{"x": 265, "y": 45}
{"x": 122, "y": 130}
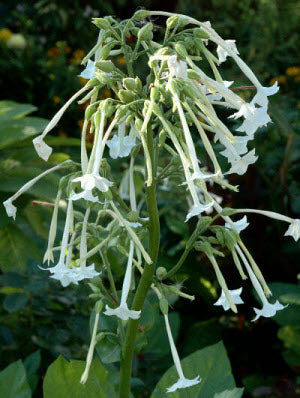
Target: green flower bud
{"x": 108, "y": 195}
{"x": 141, "y": 14}
{"x": 183, "y": 21}
{"x": 138, "y": 124}
{"x": 164, "y": 306}
{"x": 132, "y": 216}
{"x": 126, "y": 96}
{"x": 199, "y": 33}
{"x": 105, "y": 66}
{"x": 98, "y": 306}
{"x": 145, "y": 33}
{"x": 106, "y": 51}
{"x": 90, "y": 110}
{"x": 161, "y": 272}
{"x": 92, "y": 83}
{"x": 228, "y": 211}
{"x": 181, "y": 50}
{"x": 121, "y": 112}
{"x": 129, "y": 118}
{"x": 162, "y": 138}
{"x": 193, "y": 75}
{"x": 135, "y": 150}
{"x": 138, "y": 83}
{"x": 154, "y": 94}
{"x": 172, "y": 21}
{"x": 101, "y": 23}
{"x": 129, "y": 83}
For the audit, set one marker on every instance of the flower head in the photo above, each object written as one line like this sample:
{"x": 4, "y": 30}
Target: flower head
{"x": 184, "y": 383}
{"x": 11, "y": 210}
{"x": 86, "y": 194}
{"x": 239, "y": 225}
{"x": 94, "y": 180}
{"x": 294, "y": 229}
{"x": 235, "y": 297}
{"x": 42, "y": 149}
{"x": 177, "y": 67}
{"x": 89, "y": 71}
{"x": 223, "y": 54}
{"x": 120, "y": 146}
{"x": 261, "y": 97}
{"x": 240, "y": 165}
{"x": 197, "y": 209}
{"x": 268, "y": 310}
{"x": 122, "y": 312}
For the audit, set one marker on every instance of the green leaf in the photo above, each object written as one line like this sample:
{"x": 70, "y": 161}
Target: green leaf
{"x": 15, "y": 248}
{"x": 290, "y": 335}
{"x": 284, "y": 292}
{"x": 15, "y": 302}
{"x": 13, "y": 110}
{"x": 109, "y": 350}
{"x": 13, "y": 383}
{"x": 63, "y": 380}
{"x": 16, "y": 130}
{"x": 235, "y": 393}
{"x": 32, "y": 364}
{"x": 213, "y": 366}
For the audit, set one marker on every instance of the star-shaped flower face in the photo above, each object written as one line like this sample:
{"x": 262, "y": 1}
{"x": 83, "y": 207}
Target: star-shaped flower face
{"x": 294, "y": 229}
{"x": 261, "y": 97}
{"x": 120, "y": 147}
{"x": 268, "y": 310}
{"x": 258, "y": 118}
{"x": 89, "y": 71}
{"x": 239, "y": 225}
{"x": 240, "y": 166}
{"x": 177, "y": 67}
{"x": 87, "y": 195}
{"x": 196, "y": 210}
{"x": 94, "y": 180}
{"x": 184, "y": 383}
{"x": 42, "y": 149}
{"x": 122, "y": 312}
{"x": 88, "y": 272}
{"x": 235, "y": 297}
{"x": 223, "y": 54}
{"x": 240, "y": 146}
{"x": 67, "y": 275}
{"x": 11, "y": 210}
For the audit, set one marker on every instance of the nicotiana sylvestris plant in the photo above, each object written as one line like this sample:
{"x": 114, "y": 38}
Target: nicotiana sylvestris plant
{"x": 146, "y": 121}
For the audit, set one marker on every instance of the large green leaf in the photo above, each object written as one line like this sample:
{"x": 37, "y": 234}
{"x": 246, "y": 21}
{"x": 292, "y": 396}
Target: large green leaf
{"x": 287, "y": 293}
{"x": 62, "y": 380}
{"x": 16, "y": 130}
{"x": 235, "y": 393}
{"x": 13, "y": 383}
{"x": 15, "y": 248}
{"x": 13, "y": 110}
{"x": 15, "y": 302}
{"x": 211, "y": 364}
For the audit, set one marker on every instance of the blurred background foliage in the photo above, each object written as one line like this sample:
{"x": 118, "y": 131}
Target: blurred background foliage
{"x": 41, "y": 47}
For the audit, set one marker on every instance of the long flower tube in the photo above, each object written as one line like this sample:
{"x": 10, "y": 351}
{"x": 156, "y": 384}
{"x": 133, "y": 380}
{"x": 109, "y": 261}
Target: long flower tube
{"x": 52, "y": 231}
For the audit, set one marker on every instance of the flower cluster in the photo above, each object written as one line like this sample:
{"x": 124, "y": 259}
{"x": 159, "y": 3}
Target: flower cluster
{"x": 151, "y": 116}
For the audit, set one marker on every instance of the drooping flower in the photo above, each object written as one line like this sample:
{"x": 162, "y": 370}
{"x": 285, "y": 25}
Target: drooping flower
{"x": 42, "y": 149}
{"x": 239, "y": 148}
{"x": 120, "y": 146}
{"x": 122, "y": 311}
{"x": 52, "y": 232}
{"x": 261, "y": 97}
{"x": 223, "y": 54}
{"x": 239, "y": 225}
{"x": 253, "y": 120}
{"x": 86, "y": 194}
{"x": 294, "y": 229}
{"x": 268, "y": 310}
{"x": 182, "y": 382}
{"x": 197, "y": 209}
{"x": 89, "y": 71}
{"x": 235, "y": 297}
{"x": 177, "y": 67}
{"x": 94, "y": 180}
{"x": 11, "y": 210}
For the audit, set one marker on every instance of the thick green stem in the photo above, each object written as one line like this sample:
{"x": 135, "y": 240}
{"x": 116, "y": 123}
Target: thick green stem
{"x": 144, "y": 283}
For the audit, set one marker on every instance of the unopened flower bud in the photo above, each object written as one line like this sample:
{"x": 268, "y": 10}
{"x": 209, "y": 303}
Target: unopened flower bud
{"x": 98, "y": 306}
{"x": 162, "y": 138}
{"x": 126, "y": 96}
{"x": 106, "y": 51}
{"x": 193, "y": 75}
{"x": 129, "y": 83}
{"x": 145, "y": 33}
{"x": 141, "y": 14}
{"x": 164, "y": 306}
{"x": 138, "y": 124}
{"x": 90, "y": 110}
{"x": 105, "y": 66}
{"x": 181, "y": 50}
{"x": 172, "y": 21}
{"x": 198, "y": 32}
{"x": 132, "y": 216}
{"x": 161, "y": 272}
{"x": 101, "y": 23}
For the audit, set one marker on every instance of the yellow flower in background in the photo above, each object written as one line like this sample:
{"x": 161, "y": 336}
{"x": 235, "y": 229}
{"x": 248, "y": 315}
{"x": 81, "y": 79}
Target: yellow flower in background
{"x": 280, "y": 79}
{"x": 56, "y": 99}
{"x": 16, "y": 41}
{"x": 5, "y": 34}
{"x": 293, "y": 71}
{"x": 77, "y": 56}
{"x": 121, "y": 60}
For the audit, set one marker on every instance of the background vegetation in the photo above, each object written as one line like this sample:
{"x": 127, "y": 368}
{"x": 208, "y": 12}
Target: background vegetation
{"x": 41, "y": 46}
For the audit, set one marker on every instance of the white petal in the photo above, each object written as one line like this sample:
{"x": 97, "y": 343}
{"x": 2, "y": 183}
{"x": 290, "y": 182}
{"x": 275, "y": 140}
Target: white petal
{"x": 122, "y": 312}
{"x": 114, "y": 147}
{"x": 184, "y": 383}
{"x": 223, "y": 54}
{"x": 268, "y": 310}
{"x": 89, "y": 71}
{"x": 42, "y": 149}
{"x": 241, "y": 165}
{"x": 11, "y": 210}
{"x": 261, "y": 97}
{"x": 87, "y": 195}
{"x": 294, "y": 229}
{"x": 235, "y": 297}
{"x": 239, "y": 225}
{"x": 196, "y": 210}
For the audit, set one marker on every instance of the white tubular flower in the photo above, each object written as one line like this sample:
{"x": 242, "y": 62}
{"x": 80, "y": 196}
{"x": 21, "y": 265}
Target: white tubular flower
{"x": 239, "y": 146}
{"x": 93, "y": 180}
{"x": 239, "y": 225}
{"x": 11, "y": 210}
{"x": 89, "y": 71}
{"x": 235, "y": 297}
{"x": 43, "y": 150}
{"x": 130, "y": 224}
{"x": 240, "y": 165}
{"x": 294, "y": 229}
{"x": 222, "y": 53}
{"x": 90, "y": 354}
{"x": 261, "y": 97}
{"x": 182, "y": 382}
{"x": 120, "y": 146}
{"x": 197, "y": 209}
{"x": 52, "y": 232}
{"x": 268, "y": 309}
{"x": 253, "y": 120}
{"x": 177, "y": 67}
{"x": 123, "y": 312}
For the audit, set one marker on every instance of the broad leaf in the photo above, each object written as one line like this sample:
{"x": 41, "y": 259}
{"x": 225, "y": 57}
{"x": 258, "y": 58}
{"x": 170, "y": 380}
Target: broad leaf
{"x": 235, "y": 393}
{"x": 63, "y": 380}
{"x": 13, "y": 110}
{"x": 15, "y": 248}
{"x": 13, "y": 383}
{"x": 15, "y": 302}
{"x": 211, "y": 364}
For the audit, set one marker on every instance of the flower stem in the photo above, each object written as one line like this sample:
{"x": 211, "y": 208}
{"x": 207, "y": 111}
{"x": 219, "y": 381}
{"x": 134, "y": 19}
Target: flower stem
{"x": 144, "y": 283}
